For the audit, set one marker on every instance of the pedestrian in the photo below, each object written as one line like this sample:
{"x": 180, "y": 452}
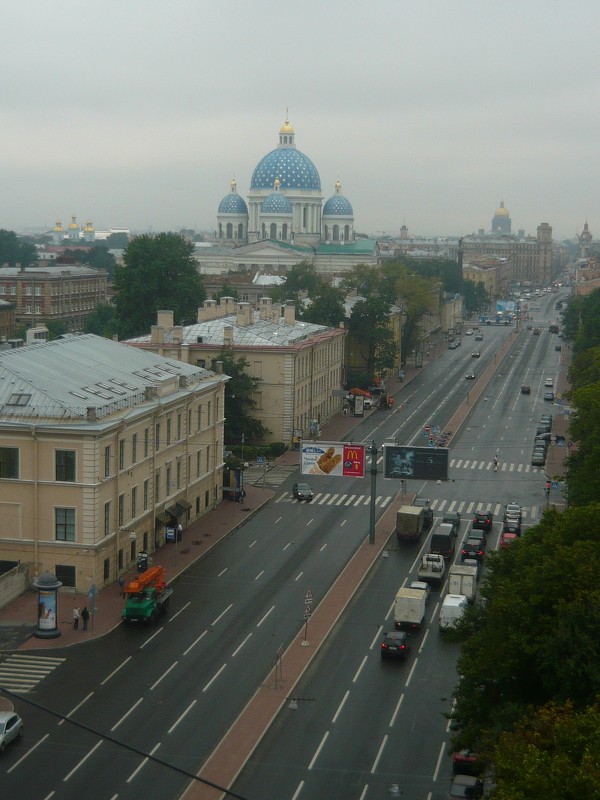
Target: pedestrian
{"x": 75, "y": 617}
{"x": 345, "y": 410}
{"x": 179, "y": 531}
{"x": 85, "y": 616}
{"x": 122, "y": 585}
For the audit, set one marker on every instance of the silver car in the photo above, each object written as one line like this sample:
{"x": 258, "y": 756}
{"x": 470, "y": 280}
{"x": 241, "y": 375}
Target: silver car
{"x": 11, "y": 727}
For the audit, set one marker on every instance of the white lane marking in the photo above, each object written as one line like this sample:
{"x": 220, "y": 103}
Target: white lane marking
{"x": 318, "y": 750}
{"x": 376, "y": 637}
{"x": 364, "y": 792}
{"x": 424, "y": 640}
{"x": 323, "y": 547}
{"x": 160, "y": 630}
{"x": 127, "y": 713}
{"x": 252, "y": 544}
{"x": 412, "y": 669}
{"x": 343, "y": 522}
{"x": 298, "y": 790}
{"x": 358, "y": 671}
{"x": 439, "y": 761}
{"x": 143, "y": 764}
{"x": 239, "y": 647}
{"x": 194, "y": 643}
{"x": 164, "y": 675}
{"x": 385, "y": 501}
{"x": 189, "y": 603}
{"x": 310, "y": 522}
{"x": 178, "y": 720}
{"x": 287, "y": 545}
{"x": 379, "y": 753}
{"x": 73, "y": 710}
{"x": 262, "y": 572}
{"x": 258, "y": 624}
{"x": 277, "y": 520}
{"x": 214, "y": 677}
{"x": 222, "y": 614}
{"x": 28, "y": 753}
{"x": 299, "y": 575}
{"x": 391, "y": 608}
{"x": 223, "y": 571}
{"x": 83, "y": 760}
{"x": 396, "y": 710}
{"x": 341, "y": 705}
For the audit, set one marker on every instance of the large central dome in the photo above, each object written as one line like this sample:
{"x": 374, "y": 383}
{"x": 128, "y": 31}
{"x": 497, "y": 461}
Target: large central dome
{"x": 293, "y": 169}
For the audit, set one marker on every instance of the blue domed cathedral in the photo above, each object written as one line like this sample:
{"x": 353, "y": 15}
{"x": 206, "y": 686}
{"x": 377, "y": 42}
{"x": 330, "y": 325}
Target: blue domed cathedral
{"x": 285, "y": 220}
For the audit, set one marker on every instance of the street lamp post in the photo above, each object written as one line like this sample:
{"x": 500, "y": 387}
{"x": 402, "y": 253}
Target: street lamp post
{"x": 242, "y": 472}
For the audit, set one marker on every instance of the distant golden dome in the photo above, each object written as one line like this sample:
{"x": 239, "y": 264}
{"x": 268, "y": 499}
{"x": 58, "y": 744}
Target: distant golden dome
{"x": 58, "y": 227}
{"x": 501, "y": 211}
{"x": 73, "y": 224}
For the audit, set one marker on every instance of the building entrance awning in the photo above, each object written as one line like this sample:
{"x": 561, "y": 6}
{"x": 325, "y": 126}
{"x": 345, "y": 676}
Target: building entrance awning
{"x": 163, "y": 518}
{"x": 173, "y": 511}
{"x": 183, "y": 506}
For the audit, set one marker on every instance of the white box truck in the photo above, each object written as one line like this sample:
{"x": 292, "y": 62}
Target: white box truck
{"x": 453, "y": 608}
{"x": 409, "y": 608}
{"x": 410, "y": 523}
{"x": 463, "y": 580}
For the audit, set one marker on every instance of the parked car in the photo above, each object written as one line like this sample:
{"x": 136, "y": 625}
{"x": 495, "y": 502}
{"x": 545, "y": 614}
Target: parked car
{"x": 525, "y": 388}
{"x": 302, "y": 491}
{"x": 395, "y": 644}
{"x": 538, "y": 458}
{"x": 507, "y": 538}
{"x": 482, "y": 520}
{"x": 466, "y": 762}
{"x": 467, "y": 786}
{"x": 11, "y": 728}
{"x": 549, "y": 396}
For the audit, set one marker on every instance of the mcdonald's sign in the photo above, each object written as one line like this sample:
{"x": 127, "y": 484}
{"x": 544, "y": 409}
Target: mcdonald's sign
{"x": 333, "y": 458}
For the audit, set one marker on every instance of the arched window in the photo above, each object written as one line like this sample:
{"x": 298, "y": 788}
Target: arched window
{"x": 240, "y": 231}
{"x": 273, "y": 231}
{"x": 347, "y": 233}
{"x": 326, "y": 233}
{"x": 220, "y": 230}
{"x": 264, "y": 231}
{"x": 284, "y": 231}
{"x": 229, "y": 230}
{"x": 336, "y": 233}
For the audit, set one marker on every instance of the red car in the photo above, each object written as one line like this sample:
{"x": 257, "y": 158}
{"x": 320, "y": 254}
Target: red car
{"x": 507, "y": 538}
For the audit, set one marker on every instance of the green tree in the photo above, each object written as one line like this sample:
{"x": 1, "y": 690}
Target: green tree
{"x": 56, "y": 328}
{"x": 581, "y": 321}
{"x": 15, "y": 251}
{"x": 370, "y": 334}
{"x": 419, "y": 297}
{"x": 97, "y": 257}
{"x": 300, "y": 278}
{"x": 226, "y": 290}
{"x": 551, "y": 754}
{"x": 534, "y": 640}
{"x": 239, "y": 401}
{"x": 475, "y": 296}
{"x": 157, "y": 272}
{"x": 583, "y": 464}
{"x": 365, "y": 281}
{"x": 102, "y": 321}
{"x": 327, "y": 308}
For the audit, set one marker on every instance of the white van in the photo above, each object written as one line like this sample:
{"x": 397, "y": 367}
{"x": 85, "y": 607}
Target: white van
{"x": 453, "y": 608}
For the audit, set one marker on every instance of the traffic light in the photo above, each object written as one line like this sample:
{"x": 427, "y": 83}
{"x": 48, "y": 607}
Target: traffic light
{"x": 548, "y": 485}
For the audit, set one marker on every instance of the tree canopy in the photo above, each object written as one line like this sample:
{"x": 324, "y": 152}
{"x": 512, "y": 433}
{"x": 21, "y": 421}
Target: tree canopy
{"x": 157, "y": 272}
{"x": 239, "y": 401}
{"x": 14, "y": 250}
{"x": 326, "y": 308}
{"x": 535, "y": 639}
{"x": 371, "y": 335}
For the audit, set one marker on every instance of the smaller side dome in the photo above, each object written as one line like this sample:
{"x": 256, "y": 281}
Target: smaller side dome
{"x": 233, "y": 203}
{"x": 276, "y": 203}
{"x": 338, "y": 205}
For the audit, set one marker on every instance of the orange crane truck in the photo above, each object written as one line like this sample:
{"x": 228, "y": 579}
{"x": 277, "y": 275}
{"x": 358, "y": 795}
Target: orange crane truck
{"x": 146, "y": 596}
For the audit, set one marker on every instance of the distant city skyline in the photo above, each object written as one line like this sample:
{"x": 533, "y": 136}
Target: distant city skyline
{"x": 429, "y": 115}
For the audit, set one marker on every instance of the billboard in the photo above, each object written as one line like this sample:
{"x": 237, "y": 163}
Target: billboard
{"x": 359, "y": 405}
{"x": 333, "y": 458}
{"x": 423, "y": 463}
{"x": 506, "y": 305}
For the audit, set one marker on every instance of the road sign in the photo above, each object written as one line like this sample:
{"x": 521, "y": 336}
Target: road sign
{"x": 260, "y": 459}
{"x": 308, "y": 597}
{"x": 307, "y": 612}
{"x": 92, "y": 591}
{"x": 555, "y": 484}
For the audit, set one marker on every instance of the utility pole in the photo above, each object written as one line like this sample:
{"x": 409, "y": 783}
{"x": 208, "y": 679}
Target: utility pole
{"x": 373, "y": 492}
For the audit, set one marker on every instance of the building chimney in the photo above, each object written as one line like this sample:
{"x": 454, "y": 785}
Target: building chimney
{"x": 242, "y": 317}
{"x": 226, "y": 306}
{"x": 228, "y": 336}
{"x": 164, "y": 318}
{"x": 150, "y": 392}
{"x": 157, "y": 334}
{"x": 289, "y": 312}
{"x": 91, "y": 414}
{"x": 265, "y": 306}
{"x": 177, "y": 334}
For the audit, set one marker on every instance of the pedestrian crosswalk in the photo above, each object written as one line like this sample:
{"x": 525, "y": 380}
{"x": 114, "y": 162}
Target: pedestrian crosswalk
{"x": 488, "y": 466}
{"x": 467, "y": 507}
{"x": 21, "y": 673}
{"x": 337, "y": 499}
{"x": 272, "y": 477}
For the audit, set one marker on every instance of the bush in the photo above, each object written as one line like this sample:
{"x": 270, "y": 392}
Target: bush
{"x": 276, "y": 449}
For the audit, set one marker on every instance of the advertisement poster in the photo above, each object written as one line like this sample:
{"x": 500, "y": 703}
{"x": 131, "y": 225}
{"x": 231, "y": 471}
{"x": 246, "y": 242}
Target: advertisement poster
{"x": 333, "y": 458}
{"x": 359, "y": 406}
{"x": 423, "y": 463}
{"x": 47, "y": 610}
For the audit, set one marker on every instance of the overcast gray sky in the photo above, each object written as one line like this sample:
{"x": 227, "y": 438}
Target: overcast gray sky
{"x": 137, "y": 113}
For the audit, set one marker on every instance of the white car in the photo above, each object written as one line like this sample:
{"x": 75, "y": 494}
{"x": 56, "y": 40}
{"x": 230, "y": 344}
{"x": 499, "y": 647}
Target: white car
{"x": 11, "y": 727}
{"x": 469, "y": 332}
{"x": 549, "y": 382}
